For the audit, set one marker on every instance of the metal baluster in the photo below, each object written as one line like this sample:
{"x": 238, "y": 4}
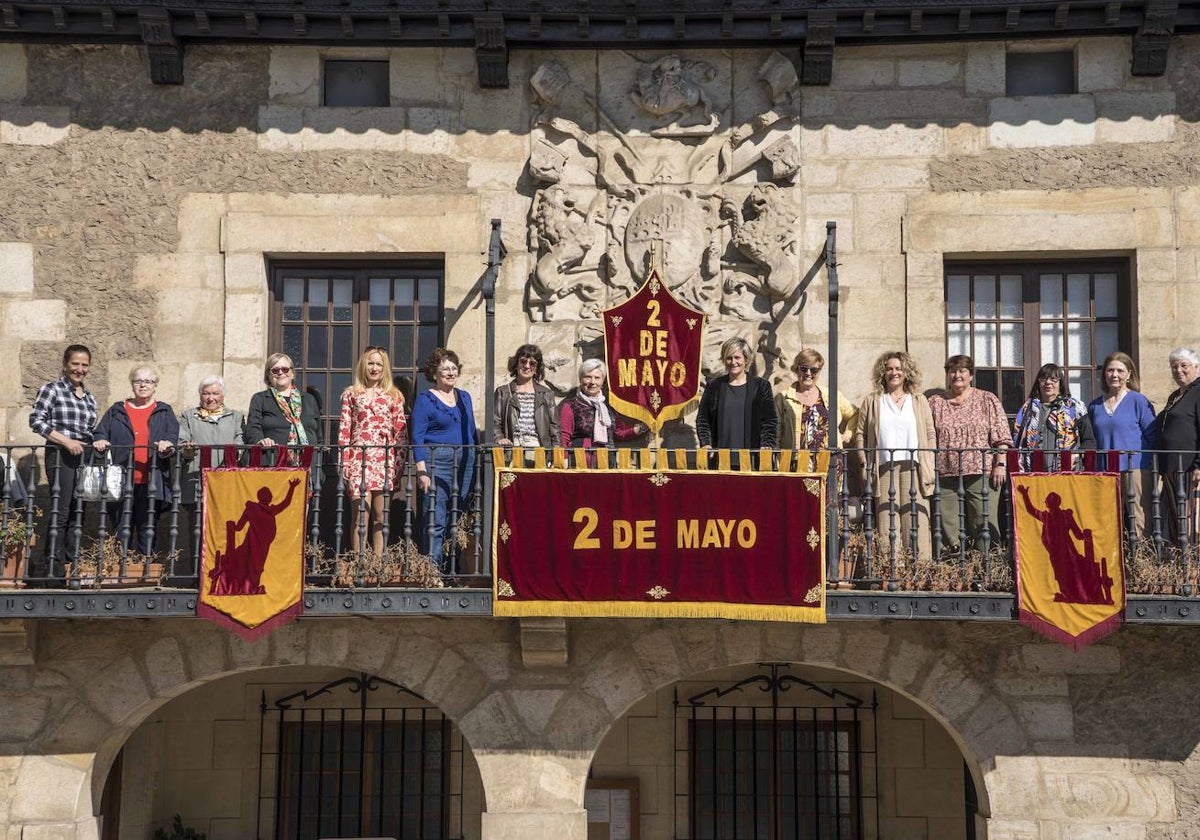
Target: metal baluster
{"x": 870, "y": 458}
{"x": 340, "y": 493}
{"x": 173, "y": 518}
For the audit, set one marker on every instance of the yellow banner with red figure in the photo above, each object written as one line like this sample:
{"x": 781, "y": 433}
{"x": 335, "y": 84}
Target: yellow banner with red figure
{"x": 653, "y": 345}
{"x": 252, "y": 567}
{"x": 1069, "y": 555}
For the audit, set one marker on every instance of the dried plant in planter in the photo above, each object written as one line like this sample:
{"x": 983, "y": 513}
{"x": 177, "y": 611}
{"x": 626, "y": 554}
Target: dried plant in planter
{"x": 1146, "y": 574}
{"x": 98, "y": 564}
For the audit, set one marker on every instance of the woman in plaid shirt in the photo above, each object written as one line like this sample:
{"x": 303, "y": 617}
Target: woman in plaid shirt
{"x": 64, "y": 413}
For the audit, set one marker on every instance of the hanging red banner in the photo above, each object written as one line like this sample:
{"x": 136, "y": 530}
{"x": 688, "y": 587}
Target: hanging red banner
{"x": 653, "y": 345}
{"x": 645, "y": 543}
{"x": 1069, "y": 555}
{"x": 252, "y": 567}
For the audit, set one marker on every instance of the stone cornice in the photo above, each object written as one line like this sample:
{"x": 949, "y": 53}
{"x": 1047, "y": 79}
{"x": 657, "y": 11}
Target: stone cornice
{"x": 493, "y": 27}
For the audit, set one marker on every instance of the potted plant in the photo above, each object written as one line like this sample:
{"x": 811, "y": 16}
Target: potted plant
{"x": 178, "y": 832}
{"x": 16, "y": 537}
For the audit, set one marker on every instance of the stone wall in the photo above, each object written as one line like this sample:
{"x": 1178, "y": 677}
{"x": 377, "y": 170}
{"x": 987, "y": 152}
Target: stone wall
{"x": 1060, "y": 745}
{"x": 139, "y": 218}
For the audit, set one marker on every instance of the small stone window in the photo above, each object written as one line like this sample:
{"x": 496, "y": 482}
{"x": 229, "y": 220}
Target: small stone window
{"x": 1040, "y": 73}
{"x": 356, "y": 84}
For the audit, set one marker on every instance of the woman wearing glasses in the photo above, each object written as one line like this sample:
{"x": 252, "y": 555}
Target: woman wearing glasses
{"x": 523, "y": 410}
{"x": 803, "y": 409}
{"x": 443, "y": 437}
{"x": 282, "y": 415}
{"x": 148, "y": 429}
{"x": 370, "y": 435}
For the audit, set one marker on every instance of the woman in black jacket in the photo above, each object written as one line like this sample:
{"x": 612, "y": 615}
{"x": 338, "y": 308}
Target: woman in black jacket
{"x": 142, "y": 433}
{"x": 282, "y": 415}
{"x": 737, "y": 410}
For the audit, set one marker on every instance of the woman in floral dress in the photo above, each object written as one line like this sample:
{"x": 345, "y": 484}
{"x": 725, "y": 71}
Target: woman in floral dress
{"x": 371, "y": 433}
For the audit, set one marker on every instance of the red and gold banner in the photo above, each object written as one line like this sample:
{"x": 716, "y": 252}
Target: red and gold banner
{"x": 653, "y": 344}
{"x": 252, "y": 567}
{"x": 1070, "y": 571}
{"x": 647, "y": 543}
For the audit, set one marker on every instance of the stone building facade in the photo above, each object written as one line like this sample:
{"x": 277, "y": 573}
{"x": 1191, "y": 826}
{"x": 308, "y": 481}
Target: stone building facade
{"x": 158, "y": 222}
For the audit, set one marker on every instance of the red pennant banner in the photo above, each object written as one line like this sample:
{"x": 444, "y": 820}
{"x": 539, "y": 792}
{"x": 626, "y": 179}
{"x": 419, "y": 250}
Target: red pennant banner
{"x": 644, "y": 543}
{"x": 653, "y": 345}
{"x": 1069, "y": 555}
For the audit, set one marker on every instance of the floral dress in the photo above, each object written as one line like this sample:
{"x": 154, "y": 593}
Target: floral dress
{"x": 373, "y": 427}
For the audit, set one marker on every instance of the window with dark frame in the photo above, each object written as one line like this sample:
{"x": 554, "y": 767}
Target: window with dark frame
{"x": 774, "y": 779}
{"x": 325, "y": 314}
{"x": 350, "y": 83}
{"x": 1014, "y": 316}
{"x": 1040, "y": 73}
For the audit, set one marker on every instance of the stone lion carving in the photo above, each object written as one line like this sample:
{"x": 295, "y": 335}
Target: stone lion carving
{"x": 563, "y": 237}
{"x": 766, "y": 234}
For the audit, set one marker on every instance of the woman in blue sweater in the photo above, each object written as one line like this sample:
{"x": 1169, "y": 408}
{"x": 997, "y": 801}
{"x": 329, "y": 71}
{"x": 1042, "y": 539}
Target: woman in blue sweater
{"x": 1123, "y": 419}
{"x": 443, "y": 434}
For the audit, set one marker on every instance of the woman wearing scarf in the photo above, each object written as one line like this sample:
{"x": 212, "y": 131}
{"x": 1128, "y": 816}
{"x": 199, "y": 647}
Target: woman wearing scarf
{"x": 1051, "y": 420}
{"x": 585, "y": 420}
{"x": 283, "y": 415}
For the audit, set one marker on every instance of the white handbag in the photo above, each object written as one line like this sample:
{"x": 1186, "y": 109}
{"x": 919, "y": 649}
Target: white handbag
{"x": 100, "y": 482}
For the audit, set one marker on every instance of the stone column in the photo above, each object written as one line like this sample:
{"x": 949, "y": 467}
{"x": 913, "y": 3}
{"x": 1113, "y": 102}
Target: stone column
{"x": 533, "y": 795}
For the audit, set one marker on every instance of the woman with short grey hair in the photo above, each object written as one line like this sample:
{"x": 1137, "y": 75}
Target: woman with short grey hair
{"x": 209, "y": 424}
{"x": 1178, "y": 438}
{"x": 586, "y": 420}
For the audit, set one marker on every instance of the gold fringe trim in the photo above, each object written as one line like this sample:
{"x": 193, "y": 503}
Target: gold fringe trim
{"x": 651, "y": 609}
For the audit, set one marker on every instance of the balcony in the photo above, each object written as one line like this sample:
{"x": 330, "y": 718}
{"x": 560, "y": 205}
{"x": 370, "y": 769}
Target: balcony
{"x": 871, "y": 573}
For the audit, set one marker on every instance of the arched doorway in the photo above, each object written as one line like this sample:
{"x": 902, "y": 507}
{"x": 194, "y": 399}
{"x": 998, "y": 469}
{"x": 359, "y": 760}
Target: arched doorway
{"x": 780, "y": 751}
{"x": 296, "y": 753}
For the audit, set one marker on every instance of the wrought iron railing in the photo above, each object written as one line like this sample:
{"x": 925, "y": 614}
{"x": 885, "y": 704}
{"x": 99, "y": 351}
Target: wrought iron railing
{"x": 883, "y": 531}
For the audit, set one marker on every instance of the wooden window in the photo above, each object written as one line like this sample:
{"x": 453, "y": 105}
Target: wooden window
{"x": 356, "y": 84}
{"x": 1013, "y": 317}
{"x": 782, "y": 779}
{"x": 325, "y": 315}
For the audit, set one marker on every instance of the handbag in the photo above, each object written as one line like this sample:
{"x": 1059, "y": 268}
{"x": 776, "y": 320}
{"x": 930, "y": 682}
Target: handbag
{"x": 100, "y": 482}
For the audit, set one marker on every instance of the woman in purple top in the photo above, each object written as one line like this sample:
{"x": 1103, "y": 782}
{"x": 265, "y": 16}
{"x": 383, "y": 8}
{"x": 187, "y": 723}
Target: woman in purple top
{"x": 443, "y": 438}
{"x": 1123, "y": 419}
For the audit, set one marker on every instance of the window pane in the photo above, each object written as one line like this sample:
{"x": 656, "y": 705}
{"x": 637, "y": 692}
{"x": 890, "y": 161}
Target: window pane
{"x": 1079, "y": 343}
{"x": 985, "y": 379}
{"x": 318, "y": 300}
{"x": 985, "y": 296}
{"x": 1079, "y": 296}
{"x": 1010, "y": 296}
{"x": 293, "y": 299}
{"x": 1106, "y": 339}
{"x": 381, "y": 289}
{"x": 1051, "y": 295}
{"x": 427, "y": 340}
{"x": 958, "y": 296}
{"x": 343, "y": 292}
{"x": 1039, "y": 73}
{"x": 428, "y": 299}
{"x": 1081, "y": 384}
{"x": 402, "y": 299}
{"x": 1052, "y": 342}
{"x": 1012, "y": 344}
{"x": 958, "y": 339}
{"x": 402, "y": 343}
{"x": 1106, "y": 295}
{"x": 343, "y": 348}
{"x": 318, "y": 347}
{"x": 985, "y": 345}
{"x": 1012, "y": 390}
{"x": 356, "y": 84}
{"x": 293, "y": 342}
{"x": 379, "y": 337}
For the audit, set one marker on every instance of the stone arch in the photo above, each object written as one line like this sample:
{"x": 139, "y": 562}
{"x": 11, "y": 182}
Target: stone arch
{"x": 108, "y": 679}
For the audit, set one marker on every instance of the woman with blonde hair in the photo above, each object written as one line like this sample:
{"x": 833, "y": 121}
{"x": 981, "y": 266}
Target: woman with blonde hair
{"x": 804, "y": 411}
{"x": 371, "y": 434}
{"x": 896, "y": 440}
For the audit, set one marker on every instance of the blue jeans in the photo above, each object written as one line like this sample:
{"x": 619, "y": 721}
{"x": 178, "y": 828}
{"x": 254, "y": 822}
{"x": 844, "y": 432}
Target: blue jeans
{"x": 447, "y": 499}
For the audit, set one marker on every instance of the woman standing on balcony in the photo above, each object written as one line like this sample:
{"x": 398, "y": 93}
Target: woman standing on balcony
{"x": 443, "y": 436}
{"x": 969, "y": 421}
{"x": 64, "y": 413}
{"x": 1123, "y": 420}
{"x": 523, "y": 411}
{"x": 803, "y": 409}
{"x": 737, "y": 410}
{"x": 896, "y": 434}
{"x": 371, "y": 435}
{"x": 148, "y": 428}
{"x": 1051, "y": 420}
{"x": 585, "y": 420}
{"x": 282, "y": 415}
{"x": 1178, "y": 438}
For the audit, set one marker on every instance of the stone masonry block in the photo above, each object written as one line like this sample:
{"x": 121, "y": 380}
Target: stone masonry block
{"x": 1103, "y": 63}
{"x": 889, "y": 141}
{"x": 1135, "y": 117}
{"x": 295, "y": 74}
{"x": 1047, "y": 719}
{"x": 1033, "y": 121}
{"x": 46, "y": 789}
{"x": 16, "y": 267}
{"x": 245, "y": 334}
{"x": 1056, "y": 659}
{"x": 415, "y": 78}
{"x": 36, "y": 320}
{"x": 199, "y": 223}
{"x": 651, "y": 741}
{"x": 13, "y": 72}
{"x": 851, "y": 73}
{"x": 929, "y": 793}
{"x": 28, "y": 125}
{"x": 521, "y": 826}
{"x": 1107, "y": 797}
{"x": 984, "y": 72}
{"x": 926, "y": 73}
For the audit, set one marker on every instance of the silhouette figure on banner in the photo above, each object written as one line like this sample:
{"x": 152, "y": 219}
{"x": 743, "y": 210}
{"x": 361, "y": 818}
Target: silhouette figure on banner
{"x": 1080, "y": 579}
{"x": 238, "y": 570}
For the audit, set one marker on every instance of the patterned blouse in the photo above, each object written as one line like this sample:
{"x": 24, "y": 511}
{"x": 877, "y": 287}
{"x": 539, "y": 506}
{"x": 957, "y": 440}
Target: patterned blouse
{"x": 965, "y": 429}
